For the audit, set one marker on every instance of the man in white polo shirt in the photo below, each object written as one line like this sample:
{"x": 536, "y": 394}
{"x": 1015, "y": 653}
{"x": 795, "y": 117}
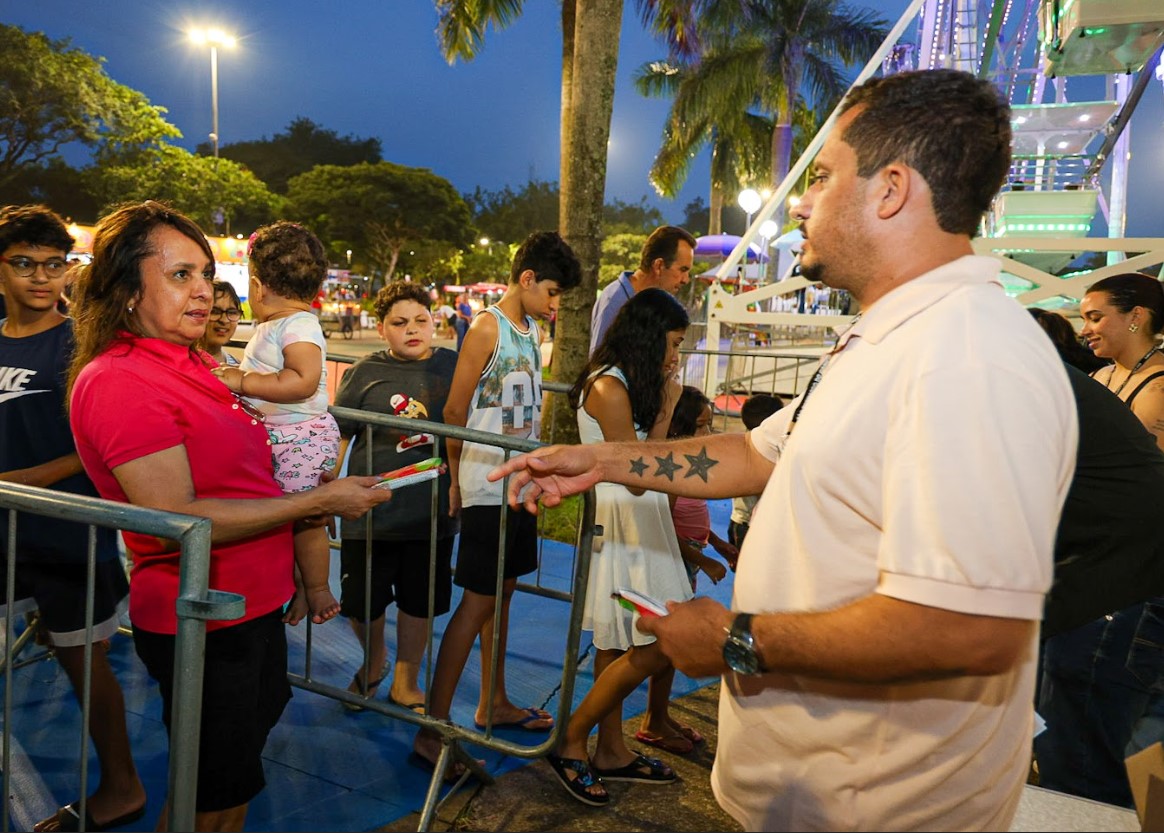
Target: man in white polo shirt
{"x": 879, "y": 657}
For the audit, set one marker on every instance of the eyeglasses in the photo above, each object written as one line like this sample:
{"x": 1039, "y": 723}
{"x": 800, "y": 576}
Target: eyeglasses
{"x": 250, "y": 410}
{"x": 25, "y": 267}
{"x": 229, "y": 314}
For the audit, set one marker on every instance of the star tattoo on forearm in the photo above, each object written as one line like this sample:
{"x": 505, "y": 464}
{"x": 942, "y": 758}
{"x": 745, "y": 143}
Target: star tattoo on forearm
{"x": 700, "y": 464}
{"x": 667, "y": 466}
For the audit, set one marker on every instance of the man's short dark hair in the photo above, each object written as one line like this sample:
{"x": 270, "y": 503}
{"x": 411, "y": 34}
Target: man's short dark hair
{"x": 550, "y": 258}
{"x": 758, "y": 407}
{"x": 949, "y": 126}
{"x": 396, "y": 292}
{"x": 33, "y": 225}
{"x": 664, "y": 243}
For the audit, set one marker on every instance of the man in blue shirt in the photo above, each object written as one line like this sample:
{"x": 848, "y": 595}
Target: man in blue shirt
{"x": 665, "y": 263}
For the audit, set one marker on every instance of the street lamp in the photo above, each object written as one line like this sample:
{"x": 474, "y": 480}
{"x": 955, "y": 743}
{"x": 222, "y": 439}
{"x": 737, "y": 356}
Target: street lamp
{"x": 213, "y": 38}
{"x": 750, "y": 200}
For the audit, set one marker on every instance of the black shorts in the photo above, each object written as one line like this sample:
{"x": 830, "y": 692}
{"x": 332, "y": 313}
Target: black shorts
{"x": 399, "y": 574}
{"x": 244, "y": 692}
{"x": 58, "y": 588}
{"x": 477, "y": 553}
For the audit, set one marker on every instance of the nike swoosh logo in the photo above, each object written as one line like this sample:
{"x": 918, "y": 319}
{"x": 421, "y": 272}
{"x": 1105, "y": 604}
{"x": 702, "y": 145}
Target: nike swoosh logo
{"x": 4, "y": 397}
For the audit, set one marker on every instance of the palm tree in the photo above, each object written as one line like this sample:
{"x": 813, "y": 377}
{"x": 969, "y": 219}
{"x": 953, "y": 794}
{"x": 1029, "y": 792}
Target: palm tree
{"x": 773, "y": 57}
{"x": 739, "y": 140}
{"x": 590, "y": 38}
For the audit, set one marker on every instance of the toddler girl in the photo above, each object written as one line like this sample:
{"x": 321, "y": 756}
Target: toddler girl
{"x": 283, "y": 376}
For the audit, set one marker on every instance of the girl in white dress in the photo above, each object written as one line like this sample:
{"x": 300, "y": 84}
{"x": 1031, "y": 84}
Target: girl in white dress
{"x": 626, "y": 393}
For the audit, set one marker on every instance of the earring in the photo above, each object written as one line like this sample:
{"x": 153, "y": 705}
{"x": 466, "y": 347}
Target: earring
{"x": 1134, "y": 328}
{"x": 129, "y": 309}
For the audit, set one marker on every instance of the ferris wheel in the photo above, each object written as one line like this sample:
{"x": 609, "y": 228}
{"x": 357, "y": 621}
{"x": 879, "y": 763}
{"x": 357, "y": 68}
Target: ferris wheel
{"x": 1074, "y": 71}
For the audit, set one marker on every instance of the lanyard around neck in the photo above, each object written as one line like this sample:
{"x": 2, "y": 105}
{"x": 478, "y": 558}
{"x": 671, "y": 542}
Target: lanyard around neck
{"x": 1132, "y": 373}
{"x": 816, "y": 377}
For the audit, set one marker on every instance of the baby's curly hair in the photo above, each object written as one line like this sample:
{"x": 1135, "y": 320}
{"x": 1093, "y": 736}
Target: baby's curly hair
{"x": 289, "y": 260}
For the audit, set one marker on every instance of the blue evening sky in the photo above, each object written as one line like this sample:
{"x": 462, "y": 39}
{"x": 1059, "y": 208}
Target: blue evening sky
{"x": 372, "y": 68}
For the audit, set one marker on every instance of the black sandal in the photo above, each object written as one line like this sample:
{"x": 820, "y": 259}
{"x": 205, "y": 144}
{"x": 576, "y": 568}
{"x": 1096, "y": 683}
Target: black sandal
{"x": 583, "y": 779}
{"x": 641, "y": 770}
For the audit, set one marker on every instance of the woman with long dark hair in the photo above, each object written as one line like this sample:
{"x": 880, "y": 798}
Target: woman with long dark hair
{"x": 625, "y": 393}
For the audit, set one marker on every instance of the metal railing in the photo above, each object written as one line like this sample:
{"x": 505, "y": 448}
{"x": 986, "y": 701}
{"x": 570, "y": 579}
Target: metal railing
{"x": 451, "y": 733}
{"x": 196, "y": 604}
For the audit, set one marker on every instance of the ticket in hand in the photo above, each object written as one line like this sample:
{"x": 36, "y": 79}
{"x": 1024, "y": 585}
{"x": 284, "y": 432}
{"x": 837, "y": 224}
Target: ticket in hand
{"x": 420, "y": 472}
{"x": 643, "y": 605}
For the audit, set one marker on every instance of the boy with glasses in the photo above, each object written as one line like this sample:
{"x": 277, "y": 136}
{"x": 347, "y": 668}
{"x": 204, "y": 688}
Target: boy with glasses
{"x": 36, "y": 448}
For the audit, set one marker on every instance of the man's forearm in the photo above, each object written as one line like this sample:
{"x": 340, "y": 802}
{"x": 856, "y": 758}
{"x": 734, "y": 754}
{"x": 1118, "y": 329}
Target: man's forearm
{"x": 720, "y": 466}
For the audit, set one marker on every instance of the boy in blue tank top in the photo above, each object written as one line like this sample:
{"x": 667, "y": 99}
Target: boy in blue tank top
{"x": 497, "y": 387}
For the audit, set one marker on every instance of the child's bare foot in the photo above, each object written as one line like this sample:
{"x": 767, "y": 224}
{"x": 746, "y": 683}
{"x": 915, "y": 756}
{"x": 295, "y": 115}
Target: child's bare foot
{"x": 297, "y": 609}
{"x": 427, "y": 748}
{"x": 322, "y": 603}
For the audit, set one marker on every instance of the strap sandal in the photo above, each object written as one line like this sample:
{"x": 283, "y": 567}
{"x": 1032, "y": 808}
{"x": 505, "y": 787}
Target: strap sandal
{"x": 583, "y": 780}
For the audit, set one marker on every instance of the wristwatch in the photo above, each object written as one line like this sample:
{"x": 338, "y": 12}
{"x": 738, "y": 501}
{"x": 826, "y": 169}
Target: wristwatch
{"x": 739, "y": 651}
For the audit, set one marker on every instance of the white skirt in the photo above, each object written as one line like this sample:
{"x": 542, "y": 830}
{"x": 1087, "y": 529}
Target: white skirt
{"x": 638, "y": 549}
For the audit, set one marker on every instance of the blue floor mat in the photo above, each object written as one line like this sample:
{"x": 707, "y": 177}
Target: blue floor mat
{"x": 327, "y": 768}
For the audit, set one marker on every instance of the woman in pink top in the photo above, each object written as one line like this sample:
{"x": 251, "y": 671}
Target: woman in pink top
{"x": 154, "y": 428}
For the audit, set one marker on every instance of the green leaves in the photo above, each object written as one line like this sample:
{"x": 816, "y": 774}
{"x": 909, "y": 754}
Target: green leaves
{"x": 52, "y": 95}
{"x": 201, "y": 186}
{"x": 380, "y": 209}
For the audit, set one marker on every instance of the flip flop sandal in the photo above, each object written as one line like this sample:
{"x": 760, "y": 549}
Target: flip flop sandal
{"x": 642, "y": 770}
{"x": 691, "y": 733}
{"x": 366, "y": 691}
{"x": 532, "y": 715}
{"x": 583, "y": 779}
{"x": 417, "y": 707}
{"x": 676, "y": 744}
{"x": 68, "y": 819}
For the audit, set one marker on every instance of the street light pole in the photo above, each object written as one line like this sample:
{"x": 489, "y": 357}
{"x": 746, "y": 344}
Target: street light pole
{"x": 214, "y": 97}
{"x": 213, "y": 38}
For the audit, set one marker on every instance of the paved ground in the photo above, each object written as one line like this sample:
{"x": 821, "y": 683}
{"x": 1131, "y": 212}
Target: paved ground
{"x": 531, "y": 799}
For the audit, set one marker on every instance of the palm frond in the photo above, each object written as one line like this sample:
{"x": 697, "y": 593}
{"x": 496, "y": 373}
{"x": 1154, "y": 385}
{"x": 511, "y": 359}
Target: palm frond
{"x": 462, "y": 24}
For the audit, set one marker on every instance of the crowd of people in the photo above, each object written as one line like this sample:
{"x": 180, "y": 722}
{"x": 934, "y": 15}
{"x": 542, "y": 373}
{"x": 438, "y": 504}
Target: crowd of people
{"x": 954, "y": 482}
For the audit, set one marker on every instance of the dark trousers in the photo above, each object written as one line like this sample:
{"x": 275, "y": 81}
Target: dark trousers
{"x": 1097, "y": 681}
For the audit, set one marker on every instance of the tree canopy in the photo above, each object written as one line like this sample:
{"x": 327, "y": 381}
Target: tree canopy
{"x": 53, "y": 95}
{"x": 210, "y": 191}
{"x": 510, "y": 215}
{"x": 302, "y": 146}
{"x": 378, "y": 210}
{"x": 753, "y": 119}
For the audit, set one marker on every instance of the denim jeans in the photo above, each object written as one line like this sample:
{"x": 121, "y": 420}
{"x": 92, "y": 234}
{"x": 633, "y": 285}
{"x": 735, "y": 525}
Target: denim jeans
{"x": 1097, "y": 681}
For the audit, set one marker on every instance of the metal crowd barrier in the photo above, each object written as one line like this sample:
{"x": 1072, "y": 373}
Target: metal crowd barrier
{"x": 452, "y": 734}
{"x": 196, "y": 605}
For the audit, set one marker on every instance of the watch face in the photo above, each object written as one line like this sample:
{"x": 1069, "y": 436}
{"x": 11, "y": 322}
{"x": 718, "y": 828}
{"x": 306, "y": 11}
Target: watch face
{"x": 740, "y": 657}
